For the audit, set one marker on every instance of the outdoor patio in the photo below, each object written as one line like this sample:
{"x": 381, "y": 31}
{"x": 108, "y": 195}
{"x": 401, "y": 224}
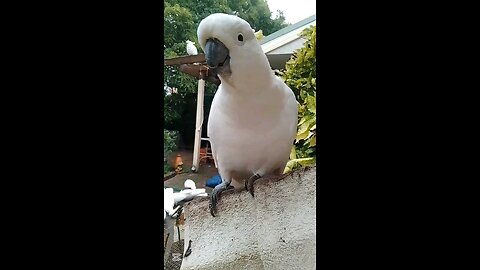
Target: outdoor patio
{"x": 205, "y": 172}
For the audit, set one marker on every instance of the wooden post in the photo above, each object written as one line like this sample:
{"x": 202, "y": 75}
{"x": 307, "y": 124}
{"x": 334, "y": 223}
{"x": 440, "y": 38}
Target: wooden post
{"x": 199, "y": 122}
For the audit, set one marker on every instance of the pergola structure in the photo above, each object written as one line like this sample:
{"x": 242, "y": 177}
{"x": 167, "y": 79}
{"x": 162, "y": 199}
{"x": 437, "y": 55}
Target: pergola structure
{"x": 195, "y": 65}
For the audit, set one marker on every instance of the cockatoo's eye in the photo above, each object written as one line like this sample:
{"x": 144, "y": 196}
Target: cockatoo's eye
{"x": 240, "y": 37}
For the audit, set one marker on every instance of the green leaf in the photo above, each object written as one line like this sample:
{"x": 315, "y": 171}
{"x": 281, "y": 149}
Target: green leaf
{"x": 300, "y": 76}
{"x": 310, "y": 134}
{"x": 305, "y": 161}
{"x": 289, "y": 166}
{"x": 302, "y": 121}
{"x": 313, "y": 141}
{"x": 303, "y": 127}
{"x": 303, "y": 135}
{"x": 301, "y": 109}
{"x": 295, "y": 163}
{"x": 293, "y": 154}
{"x": 311, "y": 104}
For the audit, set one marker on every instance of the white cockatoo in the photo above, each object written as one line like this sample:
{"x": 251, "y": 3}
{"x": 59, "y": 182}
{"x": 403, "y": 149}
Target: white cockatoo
{"x": 172, "y": 201}
{"x": 253, "y": 116}
{"x": 189, "y": 192}
{"x": 188, "y": 195}
{"x": 191, "y": 49}
{"x": 189, "y": 184}
{"x": 168, "y": 202}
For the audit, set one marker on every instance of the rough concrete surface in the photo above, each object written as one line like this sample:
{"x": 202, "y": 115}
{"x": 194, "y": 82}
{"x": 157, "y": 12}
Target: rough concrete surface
{"x": 274, "y": 230}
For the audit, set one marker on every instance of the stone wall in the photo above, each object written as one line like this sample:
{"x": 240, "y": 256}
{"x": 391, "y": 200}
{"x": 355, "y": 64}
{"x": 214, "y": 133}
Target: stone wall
{"x": 276, "y": 229}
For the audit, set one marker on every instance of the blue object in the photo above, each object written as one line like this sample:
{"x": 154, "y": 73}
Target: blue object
{"x": 214, "y": 181}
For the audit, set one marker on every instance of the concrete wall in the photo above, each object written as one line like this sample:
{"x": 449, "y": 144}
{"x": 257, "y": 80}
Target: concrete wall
{"x": 274, "y": 230}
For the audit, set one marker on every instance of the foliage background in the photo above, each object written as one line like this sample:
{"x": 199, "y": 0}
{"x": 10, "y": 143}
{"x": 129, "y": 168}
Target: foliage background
{"x": 300, "y": 76}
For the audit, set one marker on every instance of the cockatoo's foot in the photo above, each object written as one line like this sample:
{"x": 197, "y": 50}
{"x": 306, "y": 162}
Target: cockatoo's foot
{"x": 216, "y": 195}
{"x": 249, "y": 183}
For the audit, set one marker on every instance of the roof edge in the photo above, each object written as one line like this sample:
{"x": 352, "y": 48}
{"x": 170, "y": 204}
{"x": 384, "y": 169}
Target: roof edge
{"x": 288, "y": 29}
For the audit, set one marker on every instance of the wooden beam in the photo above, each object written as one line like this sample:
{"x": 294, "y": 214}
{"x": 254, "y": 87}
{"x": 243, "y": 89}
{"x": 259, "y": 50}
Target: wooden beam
{"x": 200, "y": 72}
{"x": 189, "y": 59}
{"x": 194, "y": 70}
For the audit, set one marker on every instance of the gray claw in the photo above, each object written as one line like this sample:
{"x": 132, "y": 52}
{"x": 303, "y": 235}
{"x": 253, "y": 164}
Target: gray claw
{"x": 216, "y": 195}
{"x": 189, "y": 249}
{"x": 249, "y": 183}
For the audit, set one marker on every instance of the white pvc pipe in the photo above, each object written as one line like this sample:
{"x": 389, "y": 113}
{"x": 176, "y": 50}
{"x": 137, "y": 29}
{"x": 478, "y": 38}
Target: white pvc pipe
{"x": 199, "y": 124}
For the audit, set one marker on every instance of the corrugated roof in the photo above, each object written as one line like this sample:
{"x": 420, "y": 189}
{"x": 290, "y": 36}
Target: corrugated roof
{"x": 289, "y": 28}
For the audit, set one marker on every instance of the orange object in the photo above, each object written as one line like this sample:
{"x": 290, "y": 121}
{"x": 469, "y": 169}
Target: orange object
{"x": 178, "y": 163}
{"x": 204, "y": 155}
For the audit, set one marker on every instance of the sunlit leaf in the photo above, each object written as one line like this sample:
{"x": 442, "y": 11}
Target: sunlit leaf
{"x": 300, "y": 76}
{"x": 301, "y": 136}
{"x": 304, "y": 127}
{"x": 313, "y": 141}
{"x": 293, "y": 154}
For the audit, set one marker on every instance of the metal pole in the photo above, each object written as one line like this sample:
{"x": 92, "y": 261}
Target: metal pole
{"x": 199, "y": 123}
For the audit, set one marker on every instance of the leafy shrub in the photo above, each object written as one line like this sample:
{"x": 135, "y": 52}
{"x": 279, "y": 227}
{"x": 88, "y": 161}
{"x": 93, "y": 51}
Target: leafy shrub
{"x": 300, "y": 76}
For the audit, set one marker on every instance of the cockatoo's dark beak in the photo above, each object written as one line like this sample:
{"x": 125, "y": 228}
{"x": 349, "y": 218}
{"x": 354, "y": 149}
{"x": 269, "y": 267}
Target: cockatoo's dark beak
{"x": 216, "y": 54}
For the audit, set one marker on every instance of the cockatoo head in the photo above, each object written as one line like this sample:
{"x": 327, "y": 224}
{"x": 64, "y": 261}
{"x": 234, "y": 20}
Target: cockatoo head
{"x": 190, "y": 42}
{"x": 231, "y": 49}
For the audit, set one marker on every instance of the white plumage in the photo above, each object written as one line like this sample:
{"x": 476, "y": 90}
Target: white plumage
{"x": 172, "y": 199}
{"x": 168, "y": 202}
{"x": 191, "y": 49}
{"x": 188, "y": 194}
{"x": 189, "y": 184}
{"x": 253, "y": 117}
